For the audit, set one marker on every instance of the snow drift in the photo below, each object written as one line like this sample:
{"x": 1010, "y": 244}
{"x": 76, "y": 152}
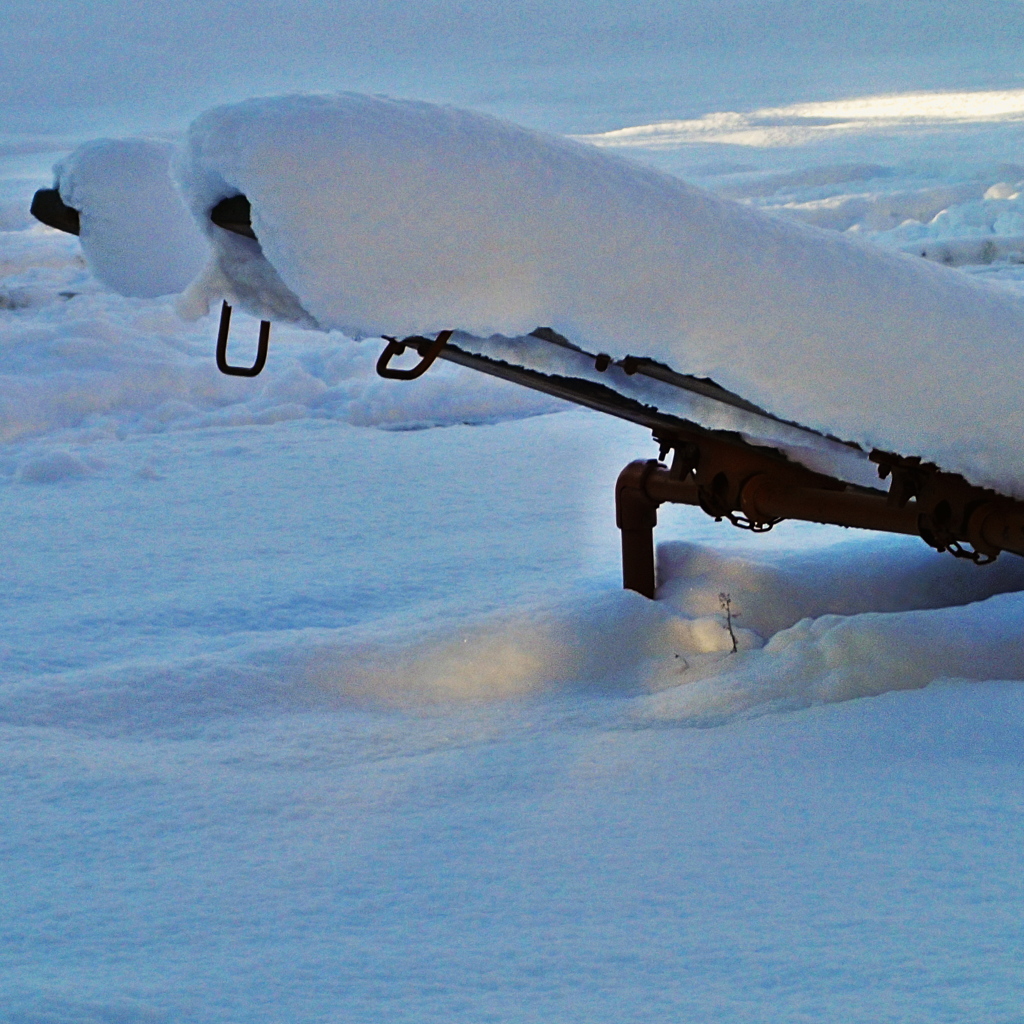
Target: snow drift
{"x": 376, "y": 215}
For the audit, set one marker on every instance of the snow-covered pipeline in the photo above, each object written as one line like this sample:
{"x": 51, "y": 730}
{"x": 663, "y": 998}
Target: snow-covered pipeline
{"x": 386, "y": 216}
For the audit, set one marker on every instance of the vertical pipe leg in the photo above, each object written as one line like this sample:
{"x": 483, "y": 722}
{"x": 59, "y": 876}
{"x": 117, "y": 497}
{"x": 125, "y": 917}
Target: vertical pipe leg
{"x": 636, "y": 515}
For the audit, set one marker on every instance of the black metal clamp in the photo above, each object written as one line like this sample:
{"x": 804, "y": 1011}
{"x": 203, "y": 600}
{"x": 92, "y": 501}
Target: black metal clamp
{"x": 427, "y": 349}
{"x": 222, "y": 347}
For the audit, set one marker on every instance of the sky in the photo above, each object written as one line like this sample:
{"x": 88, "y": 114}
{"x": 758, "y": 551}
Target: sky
{"x": 71, "y": 66}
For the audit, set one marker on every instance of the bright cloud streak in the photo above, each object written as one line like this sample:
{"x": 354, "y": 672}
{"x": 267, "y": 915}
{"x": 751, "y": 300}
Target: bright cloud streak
{"x": 802, "y": 123}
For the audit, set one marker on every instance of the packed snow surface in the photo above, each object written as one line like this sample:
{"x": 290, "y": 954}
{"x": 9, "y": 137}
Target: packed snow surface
{"x": 307, "y": 714}
{"x": 308, "y": 719}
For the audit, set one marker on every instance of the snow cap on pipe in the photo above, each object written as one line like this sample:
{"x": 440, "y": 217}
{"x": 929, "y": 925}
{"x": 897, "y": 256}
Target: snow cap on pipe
{"x": 137, "y": 236}
{"x": 378, "y": 216}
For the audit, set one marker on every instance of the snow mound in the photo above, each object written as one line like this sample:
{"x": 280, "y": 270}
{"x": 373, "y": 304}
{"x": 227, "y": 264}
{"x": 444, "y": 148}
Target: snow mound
{"x": 136, "y": 235}
{"x": 383, "y": 216}
{"x": 832, "y": 658}
{"x": 53, "y": 466}
{"x": 845, "y": 622}
{"x": 853, "y": 621}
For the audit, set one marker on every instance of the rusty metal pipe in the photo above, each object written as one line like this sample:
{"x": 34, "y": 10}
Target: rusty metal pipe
{"x": 764, "y": 500}
{"x": 642, "y": 486}
{"x": 661, "y": 487}
{"x": 993, "y": 527}
{"x": 636, "y": 515}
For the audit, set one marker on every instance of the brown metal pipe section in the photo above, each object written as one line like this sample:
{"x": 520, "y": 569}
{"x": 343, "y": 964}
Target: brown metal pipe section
{"x": 661, "y": 487}
{"x": 636, "y": 515}
{"x": 765, "y": 500}
{"x": 642, "y": 486}
{"x": 993, "y": 527}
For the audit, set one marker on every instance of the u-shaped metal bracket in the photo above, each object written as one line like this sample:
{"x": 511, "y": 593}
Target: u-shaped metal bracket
{"x": 396, "y": 348}
{"x": 222, "y": 347}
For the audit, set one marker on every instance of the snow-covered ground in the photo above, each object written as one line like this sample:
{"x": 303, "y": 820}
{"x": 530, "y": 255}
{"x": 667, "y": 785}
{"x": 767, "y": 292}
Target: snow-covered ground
{"x": 320, "y": 700}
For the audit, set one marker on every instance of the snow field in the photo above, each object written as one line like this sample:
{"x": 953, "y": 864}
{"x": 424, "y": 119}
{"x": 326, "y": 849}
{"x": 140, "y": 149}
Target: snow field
{"x": 87, "y": 369}
{"x": 306, "y": 719}
{"x": 274, "y": 743}
{"x": 522, "y": 862}
{"x": 278, "y": 617}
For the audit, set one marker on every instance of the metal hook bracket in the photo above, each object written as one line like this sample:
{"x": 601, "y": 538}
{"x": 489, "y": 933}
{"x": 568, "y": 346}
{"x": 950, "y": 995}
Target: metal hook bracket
{"x": 427, "y": 349}
{"x": 222, "y": 347}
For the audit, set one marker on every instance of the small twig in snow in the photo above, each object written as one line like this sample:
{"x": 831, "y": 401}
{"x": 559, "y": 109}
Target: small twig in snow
{"x": 725, "y": 603}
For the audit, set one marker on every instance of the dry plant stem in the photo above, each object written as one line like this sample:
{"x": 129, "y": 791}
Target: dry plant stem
{"x": 725, "y": 601}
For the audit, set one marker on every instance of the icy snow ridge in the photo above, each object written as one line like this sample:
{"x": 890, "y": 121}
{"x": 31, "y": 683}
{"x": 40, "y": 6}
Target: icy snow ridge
{"x": 377, "y": 215}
